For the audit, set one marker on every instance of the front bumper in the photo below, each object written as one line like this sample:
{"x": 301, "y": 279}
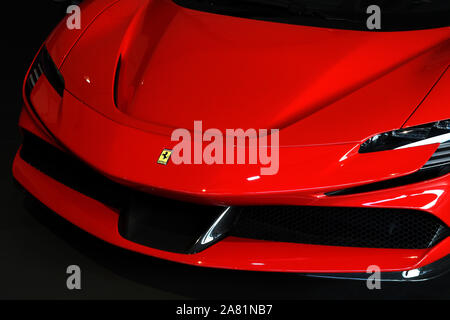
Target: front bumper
{"x": 102, "y": 221}
{"x": 426, "y": 272}
{"x": 124, "y": 153}
{"x": 241, "y": 254}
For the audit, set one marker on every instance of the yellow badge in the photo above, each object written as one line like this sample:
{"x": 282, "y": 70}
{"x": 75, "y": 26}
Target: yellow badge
{"x": 165, "y": 156}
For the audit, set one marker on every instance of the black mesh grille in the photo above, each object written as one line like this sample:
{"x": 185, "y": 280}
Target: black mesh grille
{"x": 350, "y": 227}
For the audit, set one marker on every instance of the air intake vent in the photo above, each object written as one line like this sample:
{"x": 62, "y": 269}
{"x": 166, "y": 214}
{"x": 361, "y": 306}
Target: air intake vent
{"x": 440, "y": 158}
{"x": 335, "y": 226}
{"x": 437, "y": 166}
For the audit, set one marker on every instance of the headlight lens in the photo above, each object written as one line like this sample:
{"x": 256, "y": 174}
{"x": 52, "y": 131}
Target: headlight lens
{"x": 45, "y": 65}
{"x": 435, "y": 132}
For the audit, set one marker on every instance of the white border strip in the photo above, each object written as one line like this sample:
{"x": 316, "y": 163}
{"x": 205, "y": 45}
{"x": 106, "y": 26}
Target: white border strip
{"x": 438, "y": 139}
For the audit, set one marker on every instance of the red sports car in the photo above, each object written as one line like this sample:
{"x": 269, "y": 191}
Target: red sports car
{"x": 360, "y": 118}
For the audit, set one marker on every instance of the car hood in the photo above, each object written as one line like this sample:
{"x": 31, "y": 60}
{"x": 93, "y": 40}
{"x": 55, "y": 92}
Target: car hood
{"x": 156, "y": 63}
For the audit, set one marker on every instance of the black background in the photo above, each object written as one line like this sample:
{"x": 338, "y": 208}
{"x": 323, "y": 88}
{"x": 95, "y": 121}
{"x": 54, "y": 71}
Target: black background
{"x": 36, "y": 246}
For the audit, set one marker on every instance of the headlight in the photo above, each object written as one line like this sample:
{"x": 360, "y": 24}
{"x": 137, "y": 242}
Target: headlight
{"x": 45, "y": 65}
{"x": 436, "y": 132}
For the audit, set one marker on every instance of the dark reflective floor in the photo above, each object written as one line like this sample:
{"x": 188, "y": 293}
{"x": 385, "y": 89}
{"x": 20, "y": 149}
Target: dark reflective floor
{"x": 36, "y": 245}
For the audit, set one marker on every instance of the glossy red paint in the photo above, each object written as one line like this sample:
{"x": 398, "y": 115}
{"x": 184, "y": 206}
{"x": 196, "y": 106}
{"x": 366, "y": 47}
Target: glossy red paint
{"x": 327, "y": 90}
{"x": 61, "y": 40}
{"x": 435, "y": 105}
{"x": 231, "y": 253}
{"x": 89, "y": 135}
{"x": 197, "y": 66}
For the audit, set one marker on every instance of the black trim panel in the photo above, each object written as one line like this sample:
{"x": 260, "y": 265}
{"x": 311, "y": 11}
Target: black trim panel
{"x": 419, "y": 176}
{"x": 71, "y": 172}
{"x": 428, "y": 272}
